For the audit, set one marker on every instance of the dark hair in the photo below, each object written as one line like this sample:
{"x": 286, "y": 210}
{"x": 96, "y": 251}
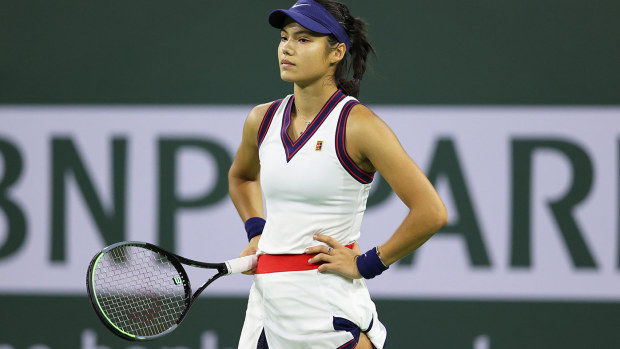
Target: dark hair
{"x": 358, "y": 52}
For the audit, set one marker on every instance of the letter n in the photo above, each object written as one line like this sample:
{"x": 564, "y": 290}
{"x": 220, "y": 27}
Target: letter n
{"x": 66, "y": 165}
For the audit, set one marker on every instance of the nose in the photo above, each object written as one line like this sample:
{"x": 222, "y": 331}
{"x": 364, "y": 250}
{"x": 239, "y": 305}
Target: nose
{"x": 285, "y": 47}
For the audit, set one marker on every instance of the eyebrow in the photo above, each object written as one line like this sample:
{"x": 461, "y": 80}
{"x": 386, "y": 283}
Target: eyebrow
{"x": 301, "y": 32}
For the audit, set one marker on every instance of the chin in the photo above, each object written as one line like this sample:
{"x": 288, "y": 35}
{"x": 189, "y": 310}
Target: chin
{"x": 286, "y": 77}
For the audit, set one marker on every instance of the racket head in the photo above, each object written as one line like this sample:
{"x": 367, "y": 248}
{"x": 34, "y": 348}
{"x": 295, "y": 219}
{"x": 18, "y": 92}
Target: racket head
{"x": 138, "y": 290}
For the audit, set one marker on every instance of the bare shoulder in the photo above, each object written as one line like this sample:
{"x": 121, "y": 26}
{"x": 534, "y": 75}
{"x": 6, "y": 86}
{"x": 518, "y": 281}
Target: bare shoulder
{"x": 364, "y": 125}
{"x": 255, "y": 117}
{"x": 362, "y": 112}
{"x": 367, "y": 137}
{"x": 254, "y": 120}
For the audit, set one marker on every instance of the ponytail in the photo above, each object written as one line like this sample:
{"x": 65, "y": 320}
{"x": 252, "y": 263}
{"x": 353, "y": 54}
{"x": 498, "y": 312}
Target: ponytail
{"x": 352, "y": 67}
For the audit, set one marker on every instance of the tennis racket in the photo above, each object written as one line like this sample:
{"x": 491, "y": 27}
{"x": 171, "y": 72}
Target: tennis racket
{"x": 141, "y": 292}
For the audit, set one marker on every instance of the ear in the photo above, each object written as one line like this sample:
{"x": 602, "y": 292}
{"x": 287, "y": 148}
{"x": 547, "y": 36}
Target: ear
{"x": 338, "y": 53}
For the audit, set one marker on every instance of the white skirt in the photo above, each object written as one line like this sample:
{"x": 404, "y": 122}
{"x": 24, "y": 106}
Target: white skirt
{"x": 310, "y": 310}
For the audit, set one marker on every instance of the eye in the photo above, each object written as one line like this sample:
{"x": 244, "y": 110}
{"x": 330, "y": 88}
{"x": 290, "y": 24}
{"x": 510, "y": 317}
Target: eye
{"x": 283, "y": 38}
{"x": 303, "y": 40}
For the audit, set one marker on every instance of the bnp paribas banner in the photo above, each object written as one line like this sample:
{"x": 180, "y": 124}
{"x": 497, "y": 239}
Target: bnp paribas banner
{"x": 532, "y": 195}
{"x": 529, "y": 259}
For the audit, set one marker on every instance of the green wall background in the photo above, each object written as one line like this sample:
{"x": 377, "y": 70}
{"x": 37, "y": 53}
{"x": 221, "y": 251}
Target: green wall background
{"x": 427, "y": 324}
{"x": 558, "y": 52}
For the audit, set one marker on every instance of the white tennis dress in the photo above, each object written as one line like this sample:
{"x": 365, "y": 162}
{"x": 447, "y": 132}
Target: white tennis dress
{"x": 310, "y": 186}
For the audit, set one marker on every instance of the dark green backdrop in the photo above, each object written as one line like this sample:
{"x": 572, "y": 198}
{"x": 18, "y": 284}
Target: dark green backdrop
{"x": 560, "y": 52}
{"x": 70, "y": 323}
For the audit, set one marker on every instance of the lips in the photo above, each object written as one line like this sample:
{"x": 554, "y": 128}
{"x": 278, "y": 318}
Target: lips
{"x": 286, "y": 63}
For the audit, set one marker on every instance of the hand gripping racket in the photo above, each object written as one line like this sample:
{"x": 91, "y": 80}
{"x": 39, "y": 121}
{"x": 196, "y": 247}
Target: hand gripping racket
{"x": 141, "y": 292}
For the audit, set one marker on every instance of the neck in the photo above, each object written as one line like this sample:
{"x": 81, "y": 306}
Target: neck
{"x": 309, "y": 100}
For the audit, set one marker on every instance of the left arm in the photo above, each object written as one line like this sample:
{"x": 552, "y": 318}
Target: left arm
{"x": 373, "y": 146}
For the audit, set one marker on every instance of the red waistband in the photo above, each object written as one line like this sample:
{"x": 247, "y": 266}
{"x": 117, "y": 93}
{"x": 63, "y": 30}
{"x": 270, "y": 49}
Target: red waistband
{"x": 276, "y": 263}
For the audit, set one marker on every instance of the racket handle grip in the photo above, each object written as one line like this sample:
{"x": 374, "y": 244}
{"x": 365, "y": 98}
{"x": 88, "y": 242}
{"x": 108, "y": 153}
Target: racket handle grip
{"x": 239, "y": 265}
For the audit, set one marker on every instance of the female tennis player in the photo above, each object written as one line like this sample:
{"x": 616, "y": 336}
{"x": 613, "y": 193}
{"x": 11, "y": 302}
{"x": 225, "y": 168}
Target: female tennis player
{"x": 313, "y": 155}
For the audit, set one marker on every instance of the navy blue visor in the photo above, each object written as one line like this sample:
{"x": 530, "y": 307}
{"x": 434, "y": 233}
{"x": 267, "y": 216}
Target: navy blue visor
{"x": 313, "y": 17}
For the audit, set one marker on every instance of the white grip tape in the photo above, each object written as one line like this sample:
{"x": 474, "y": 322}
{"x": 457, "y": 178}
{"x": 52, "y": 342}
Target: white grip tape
{"x": 239, "y": 265}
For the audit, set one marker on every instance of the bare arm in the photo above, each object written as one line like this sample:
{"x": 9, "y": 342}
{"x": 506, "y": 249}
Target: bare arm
{"x": 244, "y": 174}
{"x": 373, "y": 146}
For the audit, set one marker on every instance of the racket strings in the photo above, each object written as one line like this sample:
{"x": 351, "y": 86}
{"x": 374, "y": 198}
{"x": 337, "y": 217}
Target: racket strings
{"x": 139, "y": 291}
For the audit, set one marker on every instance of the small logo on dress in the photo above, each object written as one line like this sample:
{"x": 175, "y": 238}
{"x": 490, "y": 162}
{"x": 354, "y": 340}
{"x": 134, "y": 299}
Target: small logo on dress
{"x": 319, "y": 146}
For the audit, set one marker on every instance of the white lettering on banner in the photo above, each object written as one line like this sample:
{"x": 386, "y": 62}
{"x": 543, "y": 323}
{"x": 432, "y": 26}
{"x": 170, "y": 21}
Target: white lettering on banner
{"x": 532, "y": 195}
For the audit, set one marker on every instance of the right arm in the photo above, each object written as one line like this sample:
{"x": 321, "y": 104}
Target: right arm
{"x": 244, "y": 174}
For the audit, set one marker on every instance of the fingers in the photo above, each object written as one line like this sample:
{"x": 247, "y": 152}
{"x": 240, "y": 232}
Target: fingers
{"x": 332, "y": 244}
{"x": 323, "y": 268}
{"x": 335, "y": 257}
{"x": 247, "y": 252}
{"x": 250, "y": 272}
{"x": 251, "y": 249}
{"x": 321, "y": 257}
{"x": 343, "y": 263}
{"x": 320, "y": 249}
{"x": 330, "y": 241}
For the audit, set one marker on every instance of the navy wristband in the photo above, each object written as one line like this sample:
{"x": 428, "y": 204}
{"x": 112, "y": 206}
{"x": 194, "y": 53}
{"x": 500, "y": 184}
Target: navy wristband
{"x": 254, "y": 226}
{"x": 370, "y": 264}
